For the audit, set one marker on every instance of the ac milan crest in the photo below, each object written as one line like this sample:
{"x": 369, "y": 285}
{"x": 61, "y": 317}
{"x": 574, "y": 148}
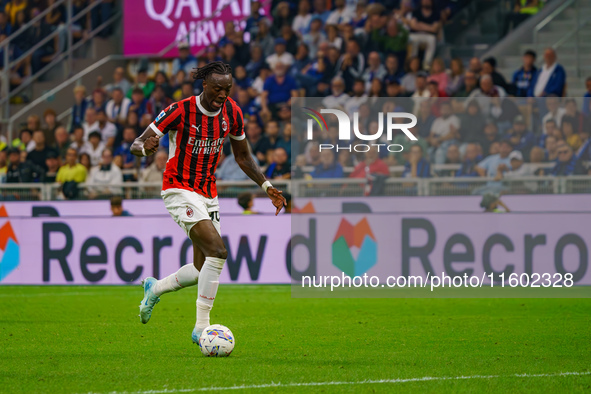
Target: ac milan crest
{"x": 189, "y": 212}
{"x": 224, "y": 125}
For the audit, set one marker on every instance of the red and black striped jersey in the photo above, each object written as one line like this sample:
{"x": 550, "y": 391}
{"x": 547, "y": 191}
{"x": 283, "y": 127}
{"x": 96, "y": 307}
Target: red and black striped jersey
{"x": 196, "y": 138}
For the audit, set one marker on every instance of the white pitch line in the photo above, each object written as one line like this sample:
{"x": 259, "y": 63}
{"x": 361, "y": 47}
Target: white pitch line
{"x": 381, "y": 381}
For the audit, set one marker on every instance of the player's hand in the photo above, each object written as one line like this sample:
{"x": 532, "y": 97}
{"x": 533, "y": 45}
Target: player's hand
{"x": 277, "y": 199}
{"x": 151, "y": 144}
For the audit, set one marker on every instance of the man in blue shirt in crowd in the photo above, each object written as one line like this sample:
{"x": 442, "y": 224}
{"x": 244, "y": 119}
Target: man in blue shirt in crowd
{"x": 521, "y": 138}
{"x": 567, "y": 163}
{"x": 328, "y": 167}
{"x": 523, "y": 77}
{"x": 488, "y": 167}
{"x": 550, "y": 79}
{"x": 278, "y": 88}
{"x": 471, "y": 158}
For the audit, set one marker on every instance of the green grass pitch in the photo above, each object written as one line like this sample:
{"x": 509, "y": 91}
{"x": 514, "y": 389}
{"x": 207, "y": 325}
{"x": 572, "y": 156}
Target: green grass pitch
{"x": 89, "y": 339}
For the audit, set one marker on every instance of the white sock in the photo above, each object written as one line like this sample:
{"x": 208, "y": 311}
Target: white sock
{"x": 186, "y": 276}
{"x": 209, "y": 281}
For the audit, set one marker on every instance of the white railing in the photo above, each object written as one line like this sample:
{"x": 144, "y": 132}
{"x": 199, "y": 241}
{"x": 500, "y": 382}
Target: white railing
{"x": 339, "y": 187}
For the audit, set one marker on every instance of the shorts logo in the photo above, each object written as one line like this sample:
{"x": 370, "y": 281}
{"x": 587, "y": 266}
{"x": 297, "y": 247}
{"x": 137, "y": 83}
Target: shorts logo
{"x": 224, "y": 125}
{"x": 189, "y": 212}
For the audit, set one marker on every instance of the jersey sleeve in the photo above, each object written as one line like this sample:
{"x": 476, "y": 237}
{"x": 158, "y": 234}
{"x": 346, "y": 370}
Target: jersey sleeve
{"x": 167, "y": 120}
{"x": 237, "y": 130}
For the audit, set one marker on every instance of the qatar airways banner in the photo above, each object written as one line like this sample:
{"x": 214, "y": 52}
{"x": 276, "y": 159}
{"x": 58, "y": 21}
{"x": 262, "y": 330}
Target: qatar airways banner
{"x": 124, "y": 250}
{"x": 151, "y": 25}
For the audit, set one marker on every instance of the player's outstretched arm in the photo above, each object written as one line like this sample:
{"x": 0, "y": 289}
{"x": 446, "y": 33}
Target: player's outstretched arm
{"x": 146, "y": 144}
{"x": 250, "y": 167}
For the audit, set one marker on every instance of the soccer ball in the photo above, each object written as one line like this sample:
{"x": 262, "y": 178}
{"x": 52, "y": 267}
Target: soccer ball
{"x": 216, "y": 341}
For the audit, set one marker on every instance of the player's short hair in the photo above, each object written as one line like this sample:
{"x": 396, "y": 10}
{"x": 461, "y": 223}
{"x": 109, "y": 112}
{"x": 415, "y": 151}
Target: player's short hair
{"x": 217, "y": 67}
{"x": 244, "y": 199}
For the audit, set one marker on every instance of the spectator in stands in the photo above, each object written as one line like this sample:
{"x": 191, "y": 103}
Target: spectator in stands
{"x": 550, "y": 79}
{"x": 108, "y": 130}
{"x": 143, "y": 83}
{"x": 118, "y": 107}
{"x": 580, "y": 121}
{"x": 5, "y": 26}
{"x": 280, "y": 55}
{"x": 475, "y": 66}
{"x": 51, "y": 124}
{"x": 521, "y": 138}
{"x": 522, "y": 78}
{"x": 555, "y": 112}
{"x": 375, "y": 69}
{"x": 70, "y": 174}
{"x": 471, "y": 158}
{"x": 21, "y": 172}
{"x": 370, "y": 166}
{"x": 98, "y": 101}
{"x": 357, "y": 98}
{"x": 185, "y": 60}
{"x": 551, "y": 145}
{"x": 61, "y": 142}
{"x": 515, "y": 169}
{"x": 472, "y": 123}
{"x": 35, "y": 34}
{"x": 393, "y": 71}
{"x": 416, "y": 166}
{"x": 537, "y": 155}
{"x": 456, "y": 78}
{"x": 127, "y": 158}
{"x": 425, "y": 26}
{"x": 119, "y": 81}
{"x": 587, "y": 98}
{"x": 522, "y": 10}
{"x": 351, "y": 64}
{"x": 470, "y": 85}
{"x": 421, "y": 93}
{"x": 25, "y": 141}
{"x": 158, "y": 101}
{"x": 340, "y": 15}
{"x": 438, "y": 74}
{"x": 80, "y": 106}
{"x": 78, "y": 140}
{"x": 279, "y": 88}
{"x": 409, "y": 80}
{"x": 38, "y": 155}
{"x": 571, "y": 136}
{"x": 567, "y": 163}
{"x": 103, "y": 176}
{"x": 328, "y": 168}
{"x": 52, "y": 162}
{"x": 338, "y": 98}
{"x": 280, "y": 167}
{"x": 444, "y": 132}
{"x": 94, "y": 147}
{"x": 117, "y": 207}
{"x": 489, "y": 67}
{"x": 187, "y": 90}
{"x": 139, "y": 104}
{"x": 258, "y": 142}
{"x": 84, "y": 159}
{"x": 33, "y": 123}
{"x": 489, "y": 166}
{"x": 584, "y": 152}
{"x": 393, "y": 41}
{"x": 90, "y": 122}
{"x": 301, "y": 22}
{"x": 154, "y": 172}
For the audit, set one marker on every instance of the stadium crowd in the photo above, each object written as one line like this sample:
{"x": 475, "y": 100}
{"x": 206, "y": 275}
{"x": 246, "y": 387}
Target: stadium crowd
{"x": 15, "y": 15}
{"x": 357, "y": 56}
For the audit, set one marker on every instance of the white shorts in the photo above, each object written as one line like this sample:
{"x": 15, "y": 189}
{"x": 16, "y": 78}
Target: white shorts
{"x": 187, "y": 208}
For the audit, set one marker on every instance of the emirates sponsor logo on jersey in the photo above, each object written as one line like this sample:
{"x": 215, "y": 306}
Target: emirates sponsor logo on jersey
{"x": 206, "y": 147}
